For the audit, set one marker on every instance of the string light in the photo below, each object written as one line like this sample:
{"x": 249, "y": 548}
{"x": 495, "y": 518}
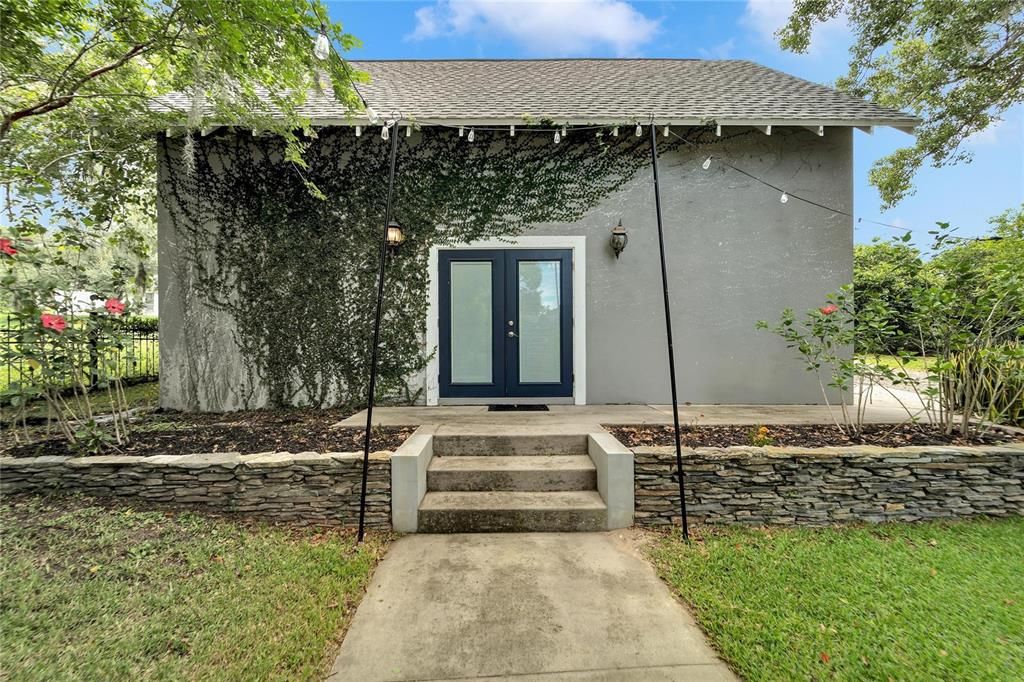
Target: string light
{"x": 471, "y": 136}
{"x": 511, "y": 131}
{"x": 359, "y": 131}
{"x": 462, "y": 131}
{"x": 371, "y": 114}
{"x": 706, "y": 164}
{"x": 615, "y": 131}
{"x": 563, "y": 131}
{"x": 322, "y": 45}
{"x": 784, "y": 198}
{"x": 665, "y": 132}
{"x": 558, "y": 137}
{"x": 639, "y": 130}
{"x": 408, "y": 131}
{"x": 384, "y": 132}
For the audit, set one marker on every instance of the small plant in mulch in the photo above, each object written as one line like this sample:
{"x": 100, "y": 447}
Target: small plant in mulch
{"x": 760, "y": 436}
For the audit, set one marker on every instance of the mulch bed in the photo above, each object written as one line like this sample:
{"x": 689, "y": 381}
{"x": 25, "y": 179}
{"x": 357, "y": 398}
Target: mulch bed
{"x": 171, "y": 433}
{"x": 797, "y": 435}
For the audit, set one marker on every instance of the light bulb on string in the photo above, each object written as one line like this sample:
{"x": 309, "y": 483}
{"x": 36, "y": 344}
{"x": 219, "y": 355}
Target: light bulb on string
{"x": 322, "y": 45}
{"x": 384, "y": 132}
{"x": 639, "y": 130}
{"x": 511, "y": 131}
{"x": 462, "y": 131}
{"x": 371, "y": 114}
{"x": 706, "y": 164}
{"x": 558, "y": 137}
{"x": 615, "y": 131}
{"x": 563, "y": 131}
{"x": 784, "y": 198}
{"x": 471, "y": 135}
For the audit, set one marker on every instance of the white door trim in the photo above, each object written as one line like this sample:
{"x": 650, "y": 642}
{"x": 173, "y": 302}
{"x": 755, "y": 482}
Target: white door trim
{"x": 579, "y": 306}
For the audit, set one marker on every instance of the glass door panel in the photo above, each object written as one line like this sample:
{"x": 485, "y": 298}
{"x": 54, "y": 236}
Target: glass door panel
{"x": 471, "y": 322}
{"x": 540, "y": 303}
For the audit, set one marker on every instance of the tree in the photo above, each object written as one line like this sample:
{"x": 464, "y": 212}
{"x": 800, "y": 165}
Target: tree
{"x": 888, "y": 272}
{"x": 971, "y": 268}
{"x": 79, "y": 80}
{"x": 958, "y": 65}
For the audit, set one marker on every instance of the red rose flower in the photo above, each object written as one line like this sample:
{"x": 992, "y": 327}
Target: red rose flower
{"x": 829, "y": 309}
{"x": 54, "y": 322}
{"x": 114, "y": 306}
{"x": 7, "y": 247}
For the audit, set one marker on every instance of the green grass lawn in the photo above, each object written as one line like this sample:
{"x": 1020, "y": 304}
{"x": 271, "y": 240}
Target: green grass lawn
{"x": 107, "y": 593}
{"x": 905, "y": 602}
{"x": 145, "y": 395}
{"x": 916, "y": 364}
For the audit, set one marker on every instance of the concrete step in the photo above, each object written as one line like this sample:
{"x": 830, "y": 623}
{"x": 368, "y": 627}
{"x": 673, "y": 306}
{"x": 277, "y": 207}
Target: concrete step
{"x": 505, "y": 511}
{"x": 509, "y": 444}
{"x": 523, "y": 473}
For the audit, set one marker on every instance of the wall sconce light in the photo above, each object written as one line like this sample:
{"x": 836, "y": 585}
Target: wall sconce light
{"x": 619, "y": 239}
{"x": 395, "y": 236}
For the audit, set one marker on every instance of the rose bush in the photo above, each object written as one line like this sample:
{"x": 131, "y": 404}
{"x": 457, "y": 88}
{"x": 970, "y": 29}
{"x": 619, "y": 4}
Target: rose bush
{"x": 66, "y": 354}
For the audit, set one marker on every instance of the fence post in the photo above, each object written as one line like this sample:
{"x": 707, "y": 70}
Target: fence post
{"x": 94, "y": 353}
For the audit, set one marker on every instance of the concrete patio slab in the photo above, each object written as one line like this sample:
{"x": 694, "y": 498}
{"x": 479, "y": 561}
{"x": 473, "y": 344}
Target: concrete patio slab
{"x": 533, "y": 606}
{"x": 586, "y": 418}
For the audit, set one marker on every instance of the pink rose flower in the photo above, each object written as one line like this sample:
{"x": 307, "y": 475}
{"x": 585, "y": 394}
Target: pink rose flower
{"x": 114, "y": 306}
{"x": 829, "y": 309}
{"x": 54, "y": 322}
{"x": 7, "y": 247}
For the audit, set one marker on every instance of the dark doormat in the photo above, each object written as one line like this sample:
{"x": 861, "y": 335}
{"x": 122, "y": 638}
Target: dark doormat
{"x": 517, "y": 408}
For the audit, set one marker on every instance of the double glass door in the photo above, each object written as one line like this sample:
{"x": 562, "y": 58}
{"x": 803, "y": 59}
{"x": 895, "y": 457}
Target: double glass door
{"x": 505, "y": 323}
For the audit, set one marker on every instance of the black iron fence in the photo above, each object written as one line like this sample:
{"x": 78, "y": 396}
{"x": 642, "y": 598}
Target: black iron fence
{"x": 138, "y": 358}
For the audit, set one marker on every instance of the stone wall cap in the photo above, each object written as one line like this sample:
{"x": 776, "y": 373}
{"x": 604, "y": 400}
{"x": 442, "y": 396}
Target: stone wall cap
{"x": 105, "y": 460}
{"x": 268, "y": 459}
{"x": 872, "y": 451}
{"x": 25, "y": 462}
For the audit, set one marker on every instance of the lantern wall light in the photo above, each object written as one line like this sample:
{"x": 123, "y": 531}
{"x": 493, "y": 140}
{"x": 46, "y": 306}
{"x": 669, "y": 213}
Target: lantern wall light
{"x": 619, "y": 239}
{"x": 395, "y": 236}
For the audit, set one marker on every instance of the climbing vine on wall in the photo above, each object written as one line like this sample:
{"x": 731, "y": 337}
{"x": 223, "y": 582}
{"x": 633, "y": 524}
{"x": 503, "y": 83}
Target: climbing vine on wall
{"x": 297, "y": 271}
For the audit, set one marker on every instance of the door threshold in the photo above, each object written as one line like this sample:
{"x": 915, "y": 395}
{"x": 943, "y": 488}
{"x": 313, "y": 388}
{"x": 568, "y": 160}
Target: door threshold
{"x": 517, "y": 407}
{"x": 568, "y": 400}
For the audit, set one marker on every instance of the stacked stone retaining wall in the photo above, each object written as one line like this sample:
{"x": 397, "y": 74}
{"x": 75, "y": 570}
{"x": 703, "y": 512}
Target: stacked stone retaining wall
{"x": 776, "y": 485}
{"x": 307, "y": 487}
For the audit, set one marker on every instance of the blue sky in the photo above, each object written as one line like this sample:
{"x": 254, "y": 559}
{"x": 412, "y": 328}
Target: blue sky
{"x": 966, "y": 195}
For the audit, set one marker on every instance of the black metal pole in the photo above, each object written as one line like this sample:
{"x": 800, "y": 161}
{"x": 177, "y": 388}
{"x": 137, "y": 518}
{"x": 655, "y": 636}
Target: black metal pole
{"x": 376, "y": 332}
{"x": 668, "y": 332}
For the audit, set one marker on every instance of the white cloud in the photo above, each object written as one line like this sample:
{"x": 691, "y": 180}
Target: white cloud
{"x": 766, "y": 17}
{"x": 565, "y": 27}
{"x": 723, "y": 50}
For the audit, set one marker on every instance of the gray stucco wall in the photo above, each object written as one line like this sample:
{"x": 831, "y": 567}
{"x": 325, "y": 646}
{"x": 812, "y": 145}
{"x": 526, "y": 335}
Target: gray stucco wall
{"x": 736, "y": 255}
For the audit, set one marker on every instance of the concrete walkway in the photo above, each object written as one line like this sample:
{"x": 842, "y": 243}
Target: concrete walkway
{"x": 882, "y": 410}
{"x": 533, "y": 606}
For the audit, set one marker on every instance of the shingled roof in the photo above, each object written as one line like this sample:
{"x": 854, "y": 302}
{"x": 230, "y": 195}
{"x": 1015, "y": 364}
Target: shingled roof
{"x": 581, "y": 91}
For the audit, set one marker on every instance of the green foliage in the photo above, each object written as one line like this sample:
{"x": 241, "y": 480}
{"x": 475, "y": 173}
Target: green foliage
{"x": 297, "y": 273}
{"x": 958, "y": 65}
{"x": 965, "y": 307}
{"x": 825, "y": 339}
{"x": 100, "y": 592}
{"x": 78, "y": 83}
{"x": 887, "y": 273}
{"x": 69, "y": 354}
{"x": 902, "y": 601}
{"x": 988, "y": 380}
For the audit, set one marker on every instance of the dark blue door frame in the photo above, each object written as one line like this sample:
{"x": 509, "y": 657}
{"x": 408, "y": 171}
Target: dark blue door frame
{"x": 504, "y": 309}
